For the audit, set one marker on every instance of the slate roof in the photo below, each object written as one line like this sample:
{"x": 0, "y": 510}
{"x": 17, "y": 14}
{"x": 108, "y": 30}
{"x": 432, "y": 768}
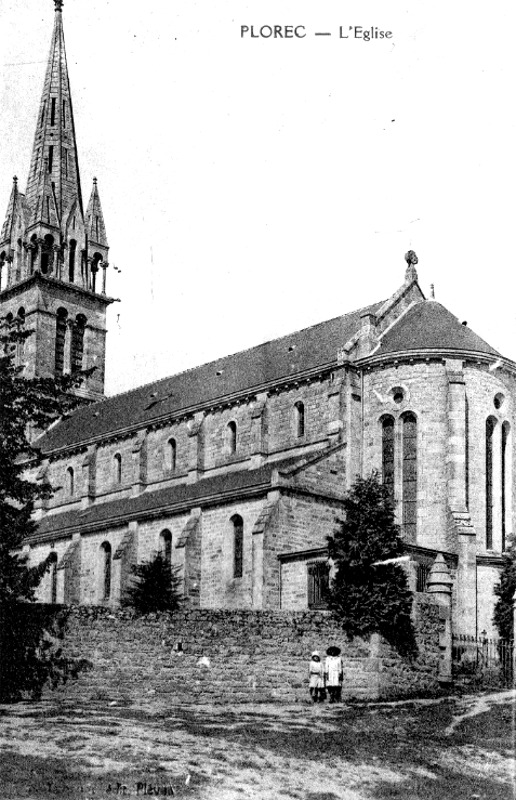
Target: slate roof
{"x": 144, "y": 504}
{"x": 430, "y": 326}
{"x": 302, "y": 351}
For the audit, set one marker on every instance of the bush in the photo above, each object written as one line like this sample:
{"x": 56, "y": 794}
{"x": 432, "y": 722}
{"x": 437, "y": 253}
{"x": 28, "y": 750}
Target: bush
{"x": 369, "y": 596}
{"x": 504, "y": 611}
{"x": 156, "y": 587}
{"x": 31, "y": 651}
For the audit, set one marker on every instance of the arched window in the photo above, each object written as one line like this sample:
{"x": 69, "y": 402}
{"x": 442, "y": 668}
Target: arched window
{"x": 61, "y": 322}
{"x": 238, "y": 545}
{"x": 171, "y": 454}
{"x": 34, "y": 249}
{"x": 388, "y": 455}
{"x": 95, "y": 264}
{"x": 20, "y": 345}
{"x": 105, "y": 567}
{"x": 19, "y": 259}
{"x": 78, "y": 342}
{"x": 506, "y": 480}
{"x": 70, "y": 481}
{"x": 47, "y": 254}
{"x": 71, "y": 260}
{"x": 117, "y": 467}
{"x": 231, "y": 433}
{"x": 165, "y": 546}
{"x": 409, "y": 476}
{"x": 490, "y": 429}
{"x": 299, "y": 419}
{"x": 53, "y": 577}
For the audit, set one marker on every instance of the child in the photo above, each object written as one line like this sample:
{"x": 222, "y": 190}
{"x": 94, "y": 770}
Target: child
{"x": 316, "y": 677}
{"x": 333, "y": 672}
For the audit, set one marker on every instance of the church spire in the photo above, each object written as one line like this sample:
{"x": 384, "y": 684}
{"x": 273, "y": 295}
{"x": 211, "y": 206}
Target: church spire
{"x": 54, "y": 179}
{"x": 47, "y": 243}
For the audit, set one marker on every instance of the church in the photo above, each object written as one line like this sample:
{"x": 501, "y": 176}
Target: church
{"x": 236, "y": 470}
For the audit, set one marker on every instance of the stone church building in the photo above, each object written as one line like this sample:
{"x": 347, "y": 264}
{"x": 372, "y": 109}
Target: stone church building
{"x": 236, "y": 469}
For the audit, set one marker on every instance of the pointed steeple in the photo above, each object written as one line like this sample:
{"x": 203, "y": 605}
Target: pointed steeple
{"x": 95, "y": 228}
{"x": 7, "y": 228}
{"x": 54, "y": 178}
{"x": 47, "y": 244}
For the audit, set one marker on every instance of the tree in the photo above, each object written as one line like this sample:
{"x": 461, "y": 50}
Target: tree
{"x": 366, "y": 595}
{"x": 156, "y": 587}
{"x": 504, "y": 612}
{"x": 27, "y": 406}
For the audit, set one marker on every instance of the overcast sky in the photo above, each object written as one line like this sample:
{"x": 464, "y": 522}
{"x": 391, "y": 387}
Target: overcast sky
{"x": 253, "y": 187}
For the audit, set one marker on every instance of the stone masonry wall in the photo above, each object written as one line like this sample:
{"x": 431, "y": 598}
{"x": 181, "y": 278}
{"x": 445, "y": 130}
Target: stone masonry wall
{"x": 209, "y": 656}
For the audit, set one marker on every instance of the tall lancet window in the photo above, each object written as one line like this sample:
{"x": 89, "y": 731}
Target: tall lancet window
{"x": 71, "y": 260}
{"x": 409, "y": 476}
{"x": 52, "y": 559}
{"x": 117, "y": 467}
{"x": 165, "y": 546}
{"x": 238, "y": 545}
{"x": 506, "y": 484}
{"x": 78, "y": 342}
{"x": 299, "y": 419}
{"x": 47, "y": 251}
{"x": 388, "y": 455}
{"x": 172, "y": 454}
{"x": 61, "y": 323}
{"x": 105, "y": 570}
{"x": 490, "y": 429}
{"x": 231, "y": 437}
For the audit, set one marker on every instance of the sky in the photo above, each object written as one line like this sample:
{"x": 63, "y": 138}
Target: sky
{"x": 252, "y": 187}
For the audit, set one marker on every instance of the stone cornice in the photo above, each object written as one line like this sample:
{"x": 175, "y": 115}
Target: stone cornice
{"x": 433, "y": 354}
{"x": 488, "y": 560}
{"x": 37, "y": 277}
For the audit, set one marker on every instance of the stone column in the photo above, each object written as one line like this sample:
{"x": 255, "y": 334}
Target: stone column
{"x": 123, "y": 559}
{"x": 89, "y": 475}
{"x": 466, "y": 580}
{"x": 195, "y": 447}
{"x": 140, "y": 457}
{"x": 456, "y": 456}
{"x": 69, "y": 583}
{"x": 67, "y": 355}
{"x": 353, "y": 427}
{"x": 259, "y": 444}
{"x": 439, "y": 584}
{"x": 187, "y": 556}
{"x": 335, "y": 424}
{"x": 260, "y": 551}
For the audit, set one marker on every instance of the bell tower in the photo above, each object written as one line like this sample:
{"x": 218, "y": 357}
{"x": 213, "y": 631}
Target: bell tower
{"x": 53, "y": 256}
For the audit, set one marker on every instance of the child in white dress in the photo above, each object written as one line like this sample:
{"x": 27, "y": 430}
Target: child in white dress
{"x": 316, "y": 678}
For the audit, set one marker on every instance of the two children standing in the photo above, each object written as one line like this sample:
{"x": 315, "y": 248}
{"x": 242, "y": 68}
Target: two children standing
{"x": 327, "y": 676}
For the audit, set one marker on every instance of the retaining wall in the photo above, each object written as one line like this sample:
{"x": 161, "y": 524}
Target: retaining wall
{"x": 220, "y": 656}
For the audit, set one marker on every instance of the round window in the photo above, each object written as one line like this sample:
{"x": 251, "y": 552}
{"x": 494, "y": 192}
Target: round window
{"x": 499, "y": 400}
{"x": 397, "y": 394}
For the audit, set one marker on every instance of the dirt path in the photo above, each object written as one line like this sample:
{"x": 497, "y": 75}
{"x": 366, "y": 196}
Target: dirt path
{"x": 402, "y": 750}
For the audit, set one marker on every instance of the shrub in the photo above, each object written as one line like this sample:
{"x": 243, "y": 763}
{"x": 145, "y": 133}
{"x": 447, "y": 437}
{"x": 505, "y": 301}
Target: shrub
{"x": 367, "y": 595}
{"x": 155, "y": 587}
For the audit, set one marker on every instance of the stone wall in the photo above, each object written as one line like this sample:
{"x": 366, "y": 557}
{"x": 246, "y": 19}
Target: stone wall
{"x": 210, "y": 656}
